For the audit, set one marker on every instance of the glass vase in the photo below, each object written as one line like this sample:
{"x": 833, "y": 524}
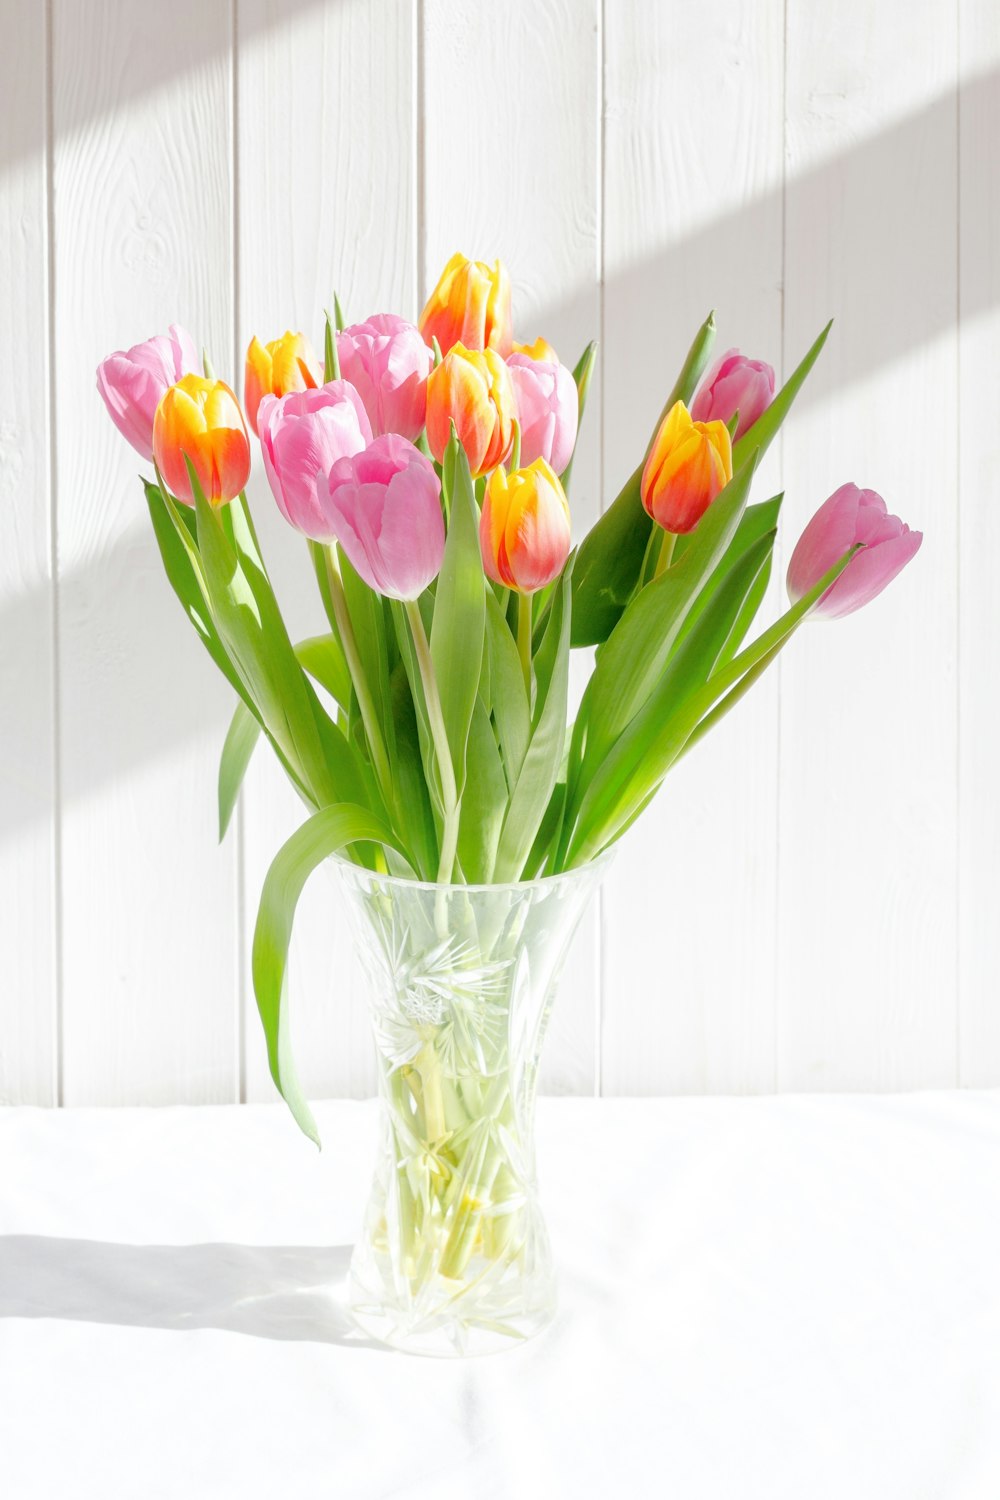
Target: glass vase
{"x": 454, "y": 1256}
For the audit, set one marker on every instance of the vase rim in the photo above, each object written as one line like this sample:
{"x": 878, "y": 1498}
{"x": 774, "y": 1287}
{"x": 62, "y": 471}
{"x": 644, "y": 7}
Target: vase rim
{"x": 371, "y": 877}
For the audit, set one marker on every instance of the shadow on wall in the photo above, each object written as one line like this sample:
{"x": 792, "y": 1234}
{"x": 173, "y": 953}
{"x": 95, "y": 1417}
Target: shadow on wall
{"x": 183, "y": 704}
{"x": 263, "y": 1291}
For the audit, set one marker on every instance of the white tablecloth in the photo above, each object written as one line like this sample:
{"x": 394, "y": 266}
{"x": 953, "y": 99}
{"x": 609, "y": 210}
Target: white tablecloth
{"x": 760, "y": 1299}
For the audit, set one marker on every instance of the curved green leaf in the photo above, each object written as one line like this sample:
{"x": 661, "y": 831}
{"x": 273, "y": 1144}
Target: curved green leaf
{"x": 326, "y": 832}
{"x": 240, "y": 742}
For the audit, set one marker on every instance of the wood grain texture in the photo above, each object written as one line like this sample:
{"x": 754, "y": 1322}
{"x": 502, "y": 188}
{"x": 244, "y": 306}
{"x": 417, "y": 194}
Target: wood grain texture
{"x": 327, "y": 202}
{"x": 28, "y": 814}
{"x": 512, "y": 170}
{"x": 143, "y": 238}
{"x": 867, "y": 930}
{"x": 979, "y": 533}
{"x": 689, "y": 958}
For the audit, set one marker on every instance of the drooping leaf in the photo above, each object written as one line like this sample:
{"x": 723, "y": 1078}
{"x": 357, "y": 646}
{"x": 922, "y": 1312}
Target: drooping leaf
{"x": 240, "y": 742}
{"x": 327, "y": 832}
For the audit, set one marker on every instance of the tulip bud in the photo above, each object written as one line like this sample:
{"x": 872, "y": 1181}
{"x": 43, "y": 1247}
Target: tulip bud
{"x": 734, "y": 384}
{"x": 473, "y": 389}
{"x": 201, "y": 420}
{"x": 688, "y": 464}
{"x": 388, "y": 363}
{"x": 133, "y": 382}
{"x": 470, "y": 305}
{"x": 302, "y": 436}
{"x": 286, "y": 364}
{"x": 849, "y": 517}
{"x": 547, "y": 409}
{"x": 524, "y": 530}
{"x": 385, "y": 508}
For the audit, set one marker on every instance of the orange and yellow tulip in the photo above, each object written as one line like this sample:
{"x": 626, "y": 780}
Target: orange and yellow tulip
{"x": 286, "y": 364}
{"x": 541, "y": 349}
{"x": 524, "y": 531}
{"x": 201, "y": 419}
{"x": 473, "y": 389}
{"x": 470, "y": 306}
{"x": 688, "y": 465}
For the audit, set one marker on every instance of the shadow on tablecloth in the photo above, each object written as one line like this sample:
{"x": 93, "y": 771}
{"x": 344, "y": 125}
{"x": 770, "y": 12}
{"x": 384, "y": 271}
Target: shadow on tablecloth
{"x": 267, "y": 1291}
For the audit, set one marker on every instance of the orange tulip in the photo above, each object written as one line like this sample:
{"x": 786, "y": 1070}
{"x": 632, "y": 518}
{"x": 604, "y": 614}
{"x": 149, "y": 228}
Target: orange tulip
{"x": 687, "y": 466}
{"x": 286, "y": 364}
{"x": 540, "y": 349}
{"x": 201, "y": 419}
{"x": 470, "y": 305}
{"x": 473, "y": 389}
{"x": 524, "y": 530}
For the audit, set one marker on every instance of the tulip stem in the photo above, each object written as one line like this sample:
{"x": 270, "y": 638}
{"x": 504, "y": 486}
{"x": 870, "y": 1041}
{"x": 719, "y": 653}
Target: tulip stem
{"x": 667, "y": 546}
{"x": 439, "y": 735}
{"x": 342, "y": 615}
{"x": 524, "y": 640}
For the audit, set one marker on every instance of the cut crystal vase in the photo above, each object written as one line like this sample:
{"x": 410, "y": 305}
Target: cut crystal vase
{"x": 454, "y": 1256}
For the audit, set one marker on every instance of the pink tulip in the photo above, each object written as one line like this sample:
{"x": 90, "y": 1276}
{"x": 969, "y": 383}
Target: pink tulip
{"x": 302, "y": 435}
{"x": 132, "y": 382}
{"x": 385, "y": 505}
{"x": 386, "y": 360}
{"x": 547, "y": 409}
{"x": 849, "y": 516}
{"x": 734, "y": 384}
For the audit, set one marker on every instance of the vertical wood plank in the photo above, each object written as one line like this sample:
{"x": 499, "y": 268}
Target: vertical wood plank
{"x": 867, "y": 936}
{"x": 142, "y": 100}
{"x": 979, "y": 530}
{"x": 327, "y": 201}
{"x": 693, "y": 210}
{"x": 515, "y": 174}
{"x": 27, "y": 812}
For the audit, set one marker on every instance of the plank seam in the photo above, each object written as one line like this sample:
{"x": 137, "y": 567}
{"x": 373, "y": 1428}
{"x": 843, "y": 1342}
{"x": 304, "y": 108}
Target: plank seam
{"x": 58, "y": 1081}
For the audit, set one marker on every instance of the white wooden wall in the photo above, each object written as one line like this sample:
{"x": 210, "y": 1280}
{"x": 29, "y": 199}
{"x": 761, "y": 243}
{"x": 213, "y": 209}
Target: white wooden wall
{"x": 812, "y": 903}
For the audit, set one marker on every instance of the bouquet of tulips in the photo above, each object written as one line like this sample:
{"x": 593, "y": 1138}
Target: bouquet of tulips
{"x": 428, "y": 467}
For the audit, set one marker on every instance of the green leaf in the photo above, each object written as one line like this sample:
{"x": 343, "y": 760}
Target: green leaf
{"x": 459, "y": 621}
{"x": 326, "y": 832}
{"x": 241, "y": 739}
{"x": 764, "y": 430}
{"x": 538, "y": 775}
{"x": 633, "y": 659}
{"x": 331, "y": 359}
{"x": 756, "y": 521}
{"x": 656, "y": 737}
{"x": 250, "y": 624}
{"x": 509, "y": 699}
{"x": 413, "y": 800}
{"x": 582, "y": 374}
{"x": 322, "y": 657}
{"x": 639, "y": 760}
{"x": 484, "y": 801}
{"x": 368, "y": 623}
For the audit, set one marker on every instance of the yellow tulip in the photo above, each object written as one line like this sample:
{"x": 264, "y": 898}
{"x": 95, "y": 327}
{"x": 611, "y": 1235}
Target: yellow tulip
{"x": 688, "y": 465}
{"x": 473, "y": 389}
{"x": 286, "y": 364}
{"x": 470, "y": 306}
{"x": 200, "y": 419}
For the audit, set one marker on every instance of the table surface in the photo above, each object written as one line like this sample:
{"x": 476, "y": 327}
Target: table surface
{"x": 783, "y": 1297}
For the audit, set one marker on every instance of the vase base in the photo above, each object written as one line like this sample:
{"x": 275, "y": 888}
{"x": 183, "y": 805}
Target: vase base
{"x": 447, "y": 1331}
